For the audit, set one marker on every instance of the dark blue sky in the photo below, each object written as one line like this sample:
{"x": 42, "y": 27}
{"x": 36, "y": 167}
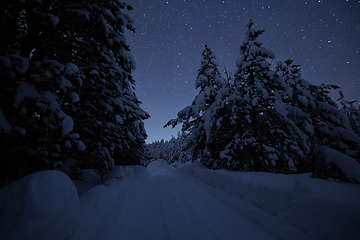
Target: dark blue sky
{"x": 323, "y": 36}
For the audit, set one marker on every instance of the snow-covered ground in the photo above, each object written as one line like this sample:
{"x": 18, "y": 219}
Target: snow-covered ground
{"x": 178, "y": 202}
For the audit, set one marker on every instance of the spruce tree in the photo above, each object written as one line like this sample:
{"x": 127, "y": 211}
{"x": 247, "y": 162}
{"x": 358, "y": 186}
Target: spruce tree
{"x": 67, "y": 94}
{"x": 353, "y": 113}
{"x": 109, "y": 118}
{"x": 269, "y": 119}
{"x": 197, "y": 117}
{"x": 34, "y": 89}
{"x": 318, "y": 120}
{"x": 246, "y": 133}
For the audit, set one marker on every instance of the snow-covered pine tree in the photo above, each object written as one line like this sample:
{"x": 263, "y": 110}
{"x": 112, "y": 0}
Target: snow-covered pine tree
{"x": 318, "y": 120}
{"x": 108, "y": 116}
{"x": 353, "y": 113}
{"x": 34, "y": 87}
{"x": 209, "y": 78}
{"x": 197, "y": 117}
{"x": 70, "y": 64}
{"x": 172, "y": 151}
{"x": 252, "y": 132}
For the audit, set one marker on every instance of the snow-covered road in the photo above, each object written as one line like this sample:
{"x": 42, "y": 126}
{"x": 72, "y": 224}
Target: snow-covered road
{"x": 196, "y": 203}
{"x": 182, "y": 202}
{"x": 169, "y": 207}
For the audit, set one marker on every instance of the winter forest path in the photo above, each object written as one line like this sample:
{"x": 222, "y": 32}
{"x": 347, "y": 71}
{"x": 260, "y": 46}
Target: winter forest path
{"x": 161, "y": 203}
{"x": 169, "y": 207}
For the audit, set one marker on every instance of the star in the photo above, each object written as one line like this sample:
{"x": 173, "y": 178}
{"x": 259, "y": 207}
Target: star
{"x": 322, "y": 37}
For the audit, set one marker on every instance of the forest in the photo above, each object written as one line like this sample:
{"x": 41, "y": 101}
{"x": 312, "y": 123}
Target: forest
{"x": 68, "y": 103}
{"x": 262, "y": 153}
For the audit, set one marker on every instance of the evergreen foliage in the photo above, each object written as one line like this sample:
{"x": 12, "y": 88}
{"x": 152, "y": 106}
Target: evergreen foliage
{"x": 66, "y": 90}
{"x": 196, "y": 117}
{"x": 353, "y": 113}
{"x": 267, "y": 118}
{"x": 172, "y": 150}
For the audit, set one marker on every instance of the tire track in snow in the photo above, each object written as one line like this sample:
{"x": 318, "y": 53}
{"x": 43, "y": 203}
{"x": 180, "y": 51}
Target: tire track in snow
{"x": 171, "y": 207}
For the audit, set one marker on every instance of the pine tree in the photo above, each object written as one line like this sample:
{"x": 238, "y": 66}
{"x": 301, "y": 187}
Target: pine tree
{"x": 252, "y": 132}
{"x": 174, "y": 150}
{"x": 110, "y": 119}
{"x": 269, "y": 120}
{"x": 34, "y": 89}
{"x": 318, "y": 120}
{"x": 197, "y": 117}
{"x": 67, "y": 93}
{"x": 353, "y": 113}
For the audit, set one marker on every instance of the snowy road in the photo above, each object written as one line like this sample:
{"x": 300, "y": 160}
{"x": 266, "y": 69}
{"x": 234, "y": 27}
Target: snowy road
{"x": 187, "y": 202}
{"x": 171, "y": 204}
{"x": 168, "y": 207}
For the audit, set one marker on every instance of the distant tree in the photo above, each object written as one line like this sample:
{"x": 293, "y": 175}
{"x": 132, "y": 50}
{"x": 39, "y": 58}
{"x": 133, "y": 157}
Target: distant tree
{"x": 172, "y": 150}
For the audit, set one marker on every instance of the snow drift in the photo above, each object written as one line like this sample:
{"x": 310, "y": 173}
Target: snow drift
{"x": 179, "y": 201}
{"x": 43, "y": 205}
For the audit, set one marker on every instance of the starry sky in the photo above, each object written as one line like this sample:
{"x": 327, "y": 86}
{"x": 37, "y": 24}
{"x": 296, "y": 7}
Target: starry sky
{"x": 323, "y": 36}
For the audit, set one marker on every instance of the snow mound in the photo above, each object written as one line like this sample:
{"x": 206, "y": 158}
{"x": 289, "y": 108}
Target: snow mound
{"x": 347, "y": 164}
{"x": 4, "y": 124}
{"x": 320, "y": 209}
{"x": 158, "y": 167}
{"x": 102, "y": 205}
{"x": 128, "y": 173}
{"x": 42, "y": 205}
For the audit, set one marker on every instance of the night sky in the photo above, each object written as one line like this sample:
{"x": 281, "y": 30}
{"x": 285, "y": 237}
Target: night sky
{"x": 323, "y": 36}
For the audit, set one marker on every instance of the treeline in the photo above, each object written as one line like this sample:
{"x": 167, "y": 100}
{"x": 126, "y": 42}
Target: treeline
{"x": 67, "y": 96}
{"x": 267, "y": 118}
{"x": 172, "y": 150}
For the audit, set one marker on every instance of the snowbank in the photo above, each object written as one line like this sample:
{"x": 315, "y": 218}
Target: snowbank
{"x": 158, "y": 167}
{"x": 320, "y": 209}
{"x": 4, "y": 124}
{"x": 43, "y": 205}
{"x": 347, "y": 164}
{"x": 178, "y": 201}
{"x": 128, "y": 172}
{"x": 102, "y": 205}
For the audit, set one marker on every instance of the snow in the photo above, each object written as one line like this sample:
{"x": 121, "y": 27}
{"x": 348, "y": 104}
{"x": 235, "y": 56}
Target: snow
{"x": 55, "y": 20}
{"x": 67, "y": 125}
{"x": 347, "y": 164}
{"x": 280, "y": 107}
{"x": 6, "y": 61}
{"x": 20, "y": 130}
{"x": 48, "y": 97}
{"x": 25, "y": 90}
{"x": 4, "y": 124}
{"x": 71, "y": 68}
{"x": 65, "y": 84}
{"x": 81, "y": 12}
{"x": 68, "y": 144}
{"x": 178, "y": 201}
{"x": 239, "y": 61}
{"x": 43, "y": 205}
{"x": 80, "y": 145}
{"x": 304, "y": 101}
{"x": 75, "y": 97}
{"x": 119, "y": 119}
{"x": 24, "y": 65}
{"x": 308, "y": 128}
